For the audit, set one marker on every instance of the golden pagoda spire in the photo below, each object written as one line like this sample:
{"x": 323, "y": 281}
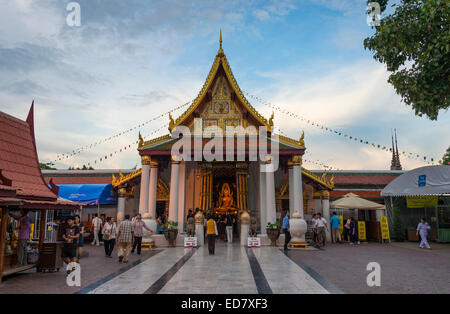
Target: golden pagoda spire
{"x": 220, "y": 40}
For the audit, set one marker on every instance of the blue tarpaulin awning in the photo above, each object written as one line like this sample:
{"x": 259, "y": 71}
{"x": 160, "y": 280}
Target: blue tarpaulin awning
{"x": 88, "y": 194}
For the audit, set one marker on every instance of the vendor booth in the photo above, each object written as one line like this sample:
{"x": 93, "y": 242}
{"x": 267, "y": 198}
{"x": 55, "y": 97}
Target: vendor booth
{"x": 368, "y": 215}
{"x": 421, "y": 193}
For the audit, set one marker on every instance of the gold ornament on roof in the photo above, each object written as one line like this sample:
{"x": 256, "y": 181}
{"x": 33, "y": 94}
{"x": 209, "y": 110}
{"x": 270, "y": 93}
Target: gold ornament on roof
{"x": 302, "y": 139}
{"x": 141, "y": 140}
{"x": 271, "y": 119}
{"x": 171, "y": 122}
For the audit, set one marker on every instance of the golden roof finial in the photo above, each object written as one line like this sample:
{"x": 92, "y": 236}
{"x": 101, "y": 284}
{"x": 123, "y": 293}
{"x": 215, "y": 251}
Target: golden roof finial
{"x": 220, "y": 40}
{"x": 171, "y": 122}
{"x": 141, "y": 140}
{"x": 302, "y": 139}
{"x": 271, "y": 119}
{"x": 332, "y": 180}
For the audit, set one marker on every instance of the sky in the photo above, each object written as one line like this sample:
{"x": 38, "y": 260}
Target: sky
{"x": 131, "y": 61}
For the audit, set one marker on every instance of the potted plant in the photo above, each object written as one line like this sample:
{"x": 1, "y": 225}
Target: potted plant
{"x": 171, "y": 232}
{"x": 273, "y": 232}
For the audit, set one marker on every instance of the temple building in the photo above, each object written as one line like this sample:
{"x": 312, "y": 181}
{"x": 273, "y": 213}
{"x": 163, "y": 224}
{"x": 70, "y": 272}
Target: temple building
{"x": 169, "y": 185}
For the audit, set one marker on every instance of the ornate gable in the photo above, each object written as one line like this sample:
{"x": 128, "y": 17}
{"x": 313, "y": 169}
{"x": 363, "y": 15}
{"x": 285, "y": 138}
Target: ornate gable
{"x": 221, "y": 101}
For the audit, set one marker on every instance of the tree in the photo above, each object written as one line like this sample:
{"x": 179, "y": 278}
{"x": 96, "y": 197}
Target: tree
{"x": 446, "y": 158}
{"x": 414, "y": 43}
{"x": 45, "y": 166}
{"x": 397, "y": 229}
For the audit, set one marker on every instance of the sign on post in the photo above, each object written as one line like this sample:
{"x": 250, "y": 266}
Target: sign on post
{"x": 362, "y": 230}
{"x": 253, "y": 242}
{"x": 384, "y": 228}
{"x": 190, "y": 242}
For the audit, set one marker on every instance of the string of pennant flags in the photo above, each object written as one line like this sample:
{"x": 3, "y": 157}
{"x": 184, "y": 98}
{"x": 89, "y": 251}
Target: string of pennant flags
{"x": 87, "y": 147}
{"x": 426, "y": 159}
{"x": 122, "y": 149}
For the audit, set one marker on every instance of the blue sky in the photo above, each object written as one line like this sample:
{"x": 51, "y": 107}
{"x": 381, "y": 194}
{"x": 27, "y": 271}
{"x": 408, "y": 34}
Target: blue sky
{"x": 133, "y": 60}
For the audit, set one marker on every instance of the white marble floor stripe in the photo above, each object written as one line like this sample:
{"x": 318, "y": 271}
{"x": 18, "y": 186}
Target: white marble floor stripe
{"x": 283, "y": 275}
{"x": 228, "y": 271}
{"x": 139, "y": 278}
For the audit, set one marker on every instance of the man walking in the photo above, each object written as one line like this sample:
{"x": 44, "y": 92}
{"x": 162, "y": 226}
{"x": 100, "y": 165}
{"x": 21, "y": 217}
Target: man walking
{"x": 70, "y": 236}
{"x": 96, "y": 228}
{"x": 335, "y": 221}
{"x": 125, "y": 238}
{"x": 422, "y": 230}
{"x": 287, "y": 233}
{"x": 229, "y": 221}
{"x": 321, "y": 224}
{"x": 138, "y": 227}
{"x": 314, "y": 229}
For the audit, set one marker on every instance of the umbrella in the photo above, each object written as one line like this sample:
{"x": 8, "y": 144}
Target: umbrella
{"x": 352, "y": 201}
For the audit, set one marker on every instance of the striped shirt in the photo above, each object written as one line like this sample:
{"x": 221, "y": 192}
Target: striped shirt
{"x": 125, "y": 230}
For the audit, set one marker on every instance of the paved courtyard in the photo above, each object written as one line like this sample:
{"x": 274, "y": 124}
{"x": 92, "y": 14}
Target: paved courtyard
{"x": 235, "y": 269}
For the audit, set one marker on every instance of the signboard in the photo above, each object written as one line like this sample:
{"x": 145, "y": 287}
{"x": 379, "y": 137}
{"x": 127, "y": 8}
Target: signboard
{"x": 421, "y": 201}
{"x": 362, "y": 230}
{"x": 253, "y": 242}
{"x": 384, "y": 228}
{"x": 422, "y": 180}
{"x": 190, "y": 242}
{"x": 341, "y": 223}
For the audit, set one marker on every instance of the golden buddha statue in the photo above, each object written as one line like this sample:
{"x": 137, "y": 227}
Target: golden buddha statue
{"x": 226, "y": 201}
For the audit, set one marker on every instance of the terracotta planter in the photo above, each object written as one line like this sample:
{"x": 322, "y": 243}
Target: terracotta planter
{"x": 273, "y": 235}
{"x": 171, "y": 236}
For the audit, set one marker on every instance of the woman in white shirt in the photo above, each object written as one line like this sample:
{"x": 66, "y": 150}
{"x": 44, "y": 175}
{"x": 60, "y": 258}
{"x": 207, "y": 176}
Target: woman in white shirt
{"x": 109, "y": 232}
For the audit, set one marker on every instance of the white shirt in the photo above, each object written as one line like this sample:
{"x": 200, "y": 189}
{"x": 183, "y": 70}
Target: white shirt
{"x": 321, "y": 222}
{"x": 96, "y": 222}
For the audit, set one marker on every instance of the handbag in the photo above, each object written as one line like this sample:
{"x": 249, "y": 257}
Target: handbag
{"x": 107, "y": 235}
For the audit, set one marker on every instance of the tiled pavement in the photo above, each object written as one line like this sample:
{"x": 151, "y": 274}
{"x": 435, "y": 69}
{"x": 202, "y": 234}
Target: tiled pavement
{"x": 234, "y": 269}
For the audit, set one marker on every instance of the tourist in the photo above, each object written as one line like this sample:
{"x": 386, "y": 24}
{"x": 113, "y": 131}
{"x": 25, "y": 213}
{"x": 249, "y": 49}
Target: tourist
{"x": 24, "y": 229}
{"x": 287, "y": 232}
{"x": 139, "y": 226}
{"x": 321, "y": 226}
{"x": 347, "y": 230}
{"x": 314, "y": 229}
{"x": 109, "y": 231}
{"x": 80, "y": 225}
{"x": 125, "y": 238}
{"x": 96, "y": 228}
{"x": 229, "y": 222}
{"x": 422, "y": 230}
{"x": 211, "y": 233}
{"x": 335, "y": 221}
{"x": 70, "y": 236}
{"x": 159, "y": 225}
{"x": 353, "y": 231}
{"x": 103, "y": 219}
{"x": 190, "y": 214}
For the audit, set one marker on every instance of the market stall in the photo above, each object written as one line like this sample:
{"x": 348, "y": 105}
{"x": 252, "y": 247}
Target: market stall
{"x": 369, "y": 226}
{"x": 420, "y": 193}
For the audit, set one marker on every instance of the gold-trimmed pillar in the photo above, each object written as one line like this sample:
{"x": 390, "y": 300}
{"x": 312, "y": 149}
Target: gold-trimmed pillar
{"x": 173, "y": 202}
{"x": 242, "y": 186}
{"x": 206, "y": 187}
{"x": 297, "y": 184}
{"x": 152, "y": 188}
{"x": 143, "y": 197}
{"x": 121, "y": 204}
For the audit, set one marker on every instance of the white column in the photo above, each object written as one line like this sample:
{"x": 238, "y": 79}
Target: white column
{"x": 181, "y": 196}
{"x": 173, "y": 202}
{"x": 271, "y": 213}
{"x": 291, "y": 189}
{"x": 262, "y": 201}
{"x": 143, "y": 197}
{"x": 152, "y": 189}
{"x": 326, "y": 212}
{"x": 121, "y": 204}
{"x": 298, "y": 189}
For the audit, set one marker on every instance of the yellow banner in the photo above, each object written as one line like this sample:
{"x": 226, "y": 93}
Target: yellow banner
{"x": 362, "y": 230}
{"x": 341, "y": 225}
{"x": 421, "y": 201}
{"x": 384, "y": 228}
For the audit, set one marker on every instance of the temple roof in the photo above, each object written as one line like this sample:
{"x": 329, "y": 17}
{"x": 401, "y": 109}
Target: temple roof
{"x": 221, "y": 61}
{"x": 19, "y": 164}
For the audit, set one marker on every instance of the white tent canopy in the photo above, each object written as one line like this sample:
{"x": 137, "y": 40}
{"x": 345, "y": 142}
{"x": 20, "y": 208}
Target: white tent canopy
{"x": 429, "y": 180}
{"x": 353, "y": 201}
